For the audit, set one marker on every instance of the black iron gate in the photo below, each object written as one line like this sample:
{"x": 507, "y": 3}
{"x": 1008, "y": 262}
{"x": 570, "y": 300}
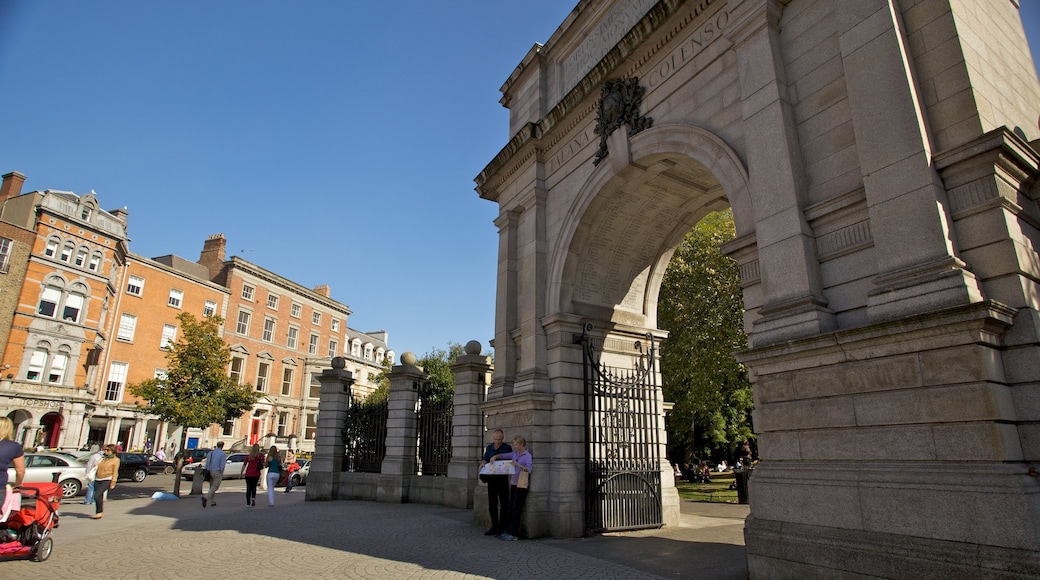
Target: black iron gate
{"x": 434, "y": 414}
{"x": 622, "y": 441}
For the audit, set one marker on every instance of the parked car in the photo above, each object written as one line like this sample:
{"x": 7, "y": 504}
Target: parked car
{"x": 300, "y": 475}
{"x": 133, "y": 466}
{"x": 232, "y": 469}
{"x": 157, "y": 466}
{"x": 41, "y": 468}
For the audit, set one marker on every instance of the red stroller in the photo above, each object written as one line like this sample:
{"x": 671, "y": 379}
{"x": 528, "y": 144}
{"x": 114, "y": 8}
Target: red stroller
{"x": 27, "y": 532}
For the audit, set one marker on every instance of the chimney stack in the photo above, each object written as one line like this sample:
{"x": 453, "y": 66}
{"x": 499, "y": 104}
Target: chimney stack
{"x": 12, "y": 185}
{"x": 324, "y": 290}
{"x": 212, "y": 256}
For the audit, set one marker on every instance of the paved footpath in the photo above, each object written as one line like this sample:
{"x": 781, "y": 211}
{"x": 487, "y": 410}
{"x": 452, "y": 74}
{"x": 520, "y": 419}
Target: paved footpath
{"x": 143, "y": 538}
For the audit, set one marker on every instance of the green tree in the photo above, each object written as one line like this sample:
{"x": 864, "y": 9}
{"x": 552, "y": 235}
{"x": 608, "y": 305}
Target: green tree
{"x": 440, "y": 380}
{"x": 701, "y": 307}
{"x": 196, "y": 391}
{"x": 382, "y": 391}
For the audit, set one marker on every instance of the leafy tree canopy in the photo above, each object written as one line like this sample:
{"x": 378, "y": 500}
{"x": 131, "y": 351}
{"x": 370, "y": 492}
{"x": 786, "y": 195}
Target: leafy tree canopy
{"x": 440, "y": 380}
{"x": 700, "y": 305}
{"x": 196, "y": 391}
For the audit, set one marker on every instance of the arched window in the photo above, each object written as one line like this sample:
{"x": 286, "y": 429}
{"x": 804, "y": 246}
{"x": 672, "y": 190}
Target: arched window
{"x": 73, "y": 307}
{"x": 66, "y": 251}
{"x": 49, "y": 299}
{"x": 52, "y": 247}
{"x": 95, "y": 262}
{"x": 81, "y": 257}
{"x": 59, "y": 362}
{"x": 37, "y": 364}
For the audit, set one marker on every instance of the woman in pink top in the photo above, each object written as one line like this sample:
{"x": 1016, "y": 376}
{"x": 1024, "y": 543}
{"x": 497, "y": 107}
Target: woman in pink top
{"x": 251, "y": 470}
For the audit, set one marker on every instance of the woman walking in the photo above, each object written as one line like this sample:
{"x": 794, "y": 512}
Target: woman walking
{"x": 251, "y": 470}
{"x": 274, "y": 471}
{"x": 105, "y": 479}
{"x": 518, "y": 482}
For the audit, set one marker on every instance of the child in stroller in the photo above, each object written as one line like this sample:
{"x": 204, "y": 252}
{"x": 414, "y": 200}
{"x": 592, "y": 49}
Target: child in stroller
{"x": 27, "y": 532}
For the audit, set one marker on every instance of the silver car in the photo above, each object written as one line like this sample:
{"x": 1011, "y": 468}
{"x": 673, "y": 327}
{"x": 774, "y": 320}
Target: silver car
{"x": 232, "y": 469}
{"x": 42, "y": 467}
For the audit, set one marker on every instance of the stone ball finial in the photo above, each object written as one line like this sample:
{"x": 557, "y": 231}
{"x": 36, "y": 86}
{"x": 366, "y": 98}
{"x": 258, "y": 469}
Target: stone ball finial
{"x": 338, "y": 363}
{"x": 408, "y": 358}
{"x": 473, "y": 347}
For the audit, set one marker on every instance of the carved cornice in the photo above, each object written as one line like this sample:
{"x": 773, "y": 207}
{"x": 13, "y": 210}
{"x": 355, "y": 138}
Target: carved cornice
{"x": 578, "y": 103}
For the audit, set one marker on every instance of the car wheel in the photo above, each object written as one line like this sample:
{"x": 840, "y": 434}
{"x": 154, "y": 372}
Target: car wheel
{"x": 168, "y": 470}
{"x": 69, "y": 488}
{"x": 139, "y": 474}
{"x": 295, "y": 480}
{"x": 43, "y": 550}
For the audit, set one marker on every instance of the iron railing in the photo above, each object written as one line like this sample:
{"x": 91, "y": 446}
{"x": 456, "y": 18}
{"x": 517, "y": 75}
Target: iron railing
{"x": 434, "y": 414}
{"x": 365, "y": 436}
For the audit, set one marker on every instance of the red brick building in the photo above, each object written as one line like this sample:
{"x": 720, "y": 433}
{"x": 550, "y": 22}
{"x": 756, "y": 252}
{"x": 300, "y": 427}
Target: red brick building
{"x": 81, "y": 318}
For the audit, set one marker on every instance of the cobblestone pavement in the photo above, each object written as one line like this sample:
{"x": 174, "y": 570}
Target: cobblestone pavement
{"x": 142, "y": 538}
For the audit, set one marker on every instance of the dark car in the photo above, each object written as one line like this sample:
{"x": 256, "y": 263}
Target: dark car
{"x": 133, "y": 466}
{"x": 157, "y": 466}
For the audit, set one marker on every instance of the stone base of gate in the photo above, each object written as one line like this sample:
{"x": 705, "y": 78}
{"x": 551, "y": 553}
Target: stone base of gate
{"x": 554, "y": 429}
{"x": 784, "y": 550}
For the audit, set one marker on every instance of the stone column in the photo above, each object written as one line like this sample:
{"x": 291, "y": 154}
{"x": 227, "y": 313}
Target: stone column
{"x": 329, "y": 444}
{"x": 472, "y": 371}
{"x": 918, "y": 270}
{"x": 506, "y": 314}
{"x": 401, "y": 442}
{"x": 794, "y": 305}
{"x": 531, "y": 375}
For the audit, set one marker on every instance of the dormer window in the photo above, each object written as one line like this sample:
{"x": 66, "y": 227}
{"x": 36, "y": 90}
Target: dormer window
{"x": 86, "y": 213}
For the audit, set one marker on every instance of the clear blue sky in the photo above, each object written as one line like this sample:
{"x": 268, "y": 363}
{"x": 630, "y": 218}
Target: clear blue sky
{"x": 333, "y": 142}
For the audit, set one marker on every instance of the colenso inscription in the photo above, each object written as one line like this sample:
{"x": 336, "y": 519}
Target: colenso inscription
{"x": 710, "y": 31}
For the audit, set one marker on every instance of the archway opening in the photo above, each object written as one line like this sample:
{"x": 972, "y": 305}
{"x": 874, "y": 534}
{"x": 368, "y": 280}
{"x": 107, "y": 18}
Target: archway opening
{"x": 50, "y": 436}
{"x": 628, "y": 225}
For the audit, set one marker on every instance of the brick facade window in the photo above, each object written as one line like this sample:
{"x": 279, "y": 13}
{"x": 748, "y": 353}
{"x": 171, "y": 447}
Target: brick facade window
{"x": 127, "y": 325}
{"x": 176, "y": 298}
{"x": 116, "y": 381}
{"x": 5, "y": 255}
{"x": 135, "y": 286}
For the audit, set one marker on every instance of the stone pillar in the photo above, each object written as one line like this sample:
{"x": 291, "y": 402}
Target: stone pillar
{"x": 329, "y": 444}
{"x": 401, "y": 442}
{"x": 794, "y": 305}
{"x": 506, "y": 351}
{"x": 530, "y": 303}
{"x": 918, "y": 270}
{"x": 472, "y": 371}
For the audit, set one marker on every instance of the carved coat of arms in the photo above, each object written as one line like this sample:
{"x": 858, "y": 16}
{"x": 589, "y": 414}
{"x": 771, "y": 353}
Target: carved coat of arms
{"x": 619, "y": 105}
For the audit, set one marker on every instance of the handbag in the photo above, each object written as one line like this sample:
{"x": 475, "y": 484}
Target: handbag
{"x": 205, "y": 475}
{"x": 523, "y": 480}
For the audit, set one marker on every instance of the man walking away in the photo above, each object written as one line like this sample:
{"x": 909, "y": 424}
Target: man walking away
{"x": 215, "y": 461}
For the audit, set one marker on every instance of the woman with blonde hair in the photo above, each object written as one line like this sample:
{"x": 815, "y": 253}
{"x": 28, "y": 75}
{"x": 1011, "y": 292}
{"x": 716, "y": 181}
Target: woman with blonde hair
{"x": 251, "y": 470}
{"x": 518, "y": 482}
{"x": 274, "y": 471}
{"x": 105, "y": 479}
{"x": 11, "y": 455}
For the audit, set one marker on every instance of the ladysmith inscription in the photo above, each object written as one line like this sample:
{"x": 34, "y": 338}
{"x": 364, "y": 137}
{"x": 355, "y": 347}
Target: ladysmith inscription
{"x": 609, "y": 31}
{"x": 618, "y": 21}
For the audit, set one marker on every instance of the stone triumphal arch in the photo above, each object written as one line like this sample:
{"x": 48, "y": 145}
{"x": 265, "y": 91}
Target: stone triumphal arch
{"x": 880, "y": 159}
